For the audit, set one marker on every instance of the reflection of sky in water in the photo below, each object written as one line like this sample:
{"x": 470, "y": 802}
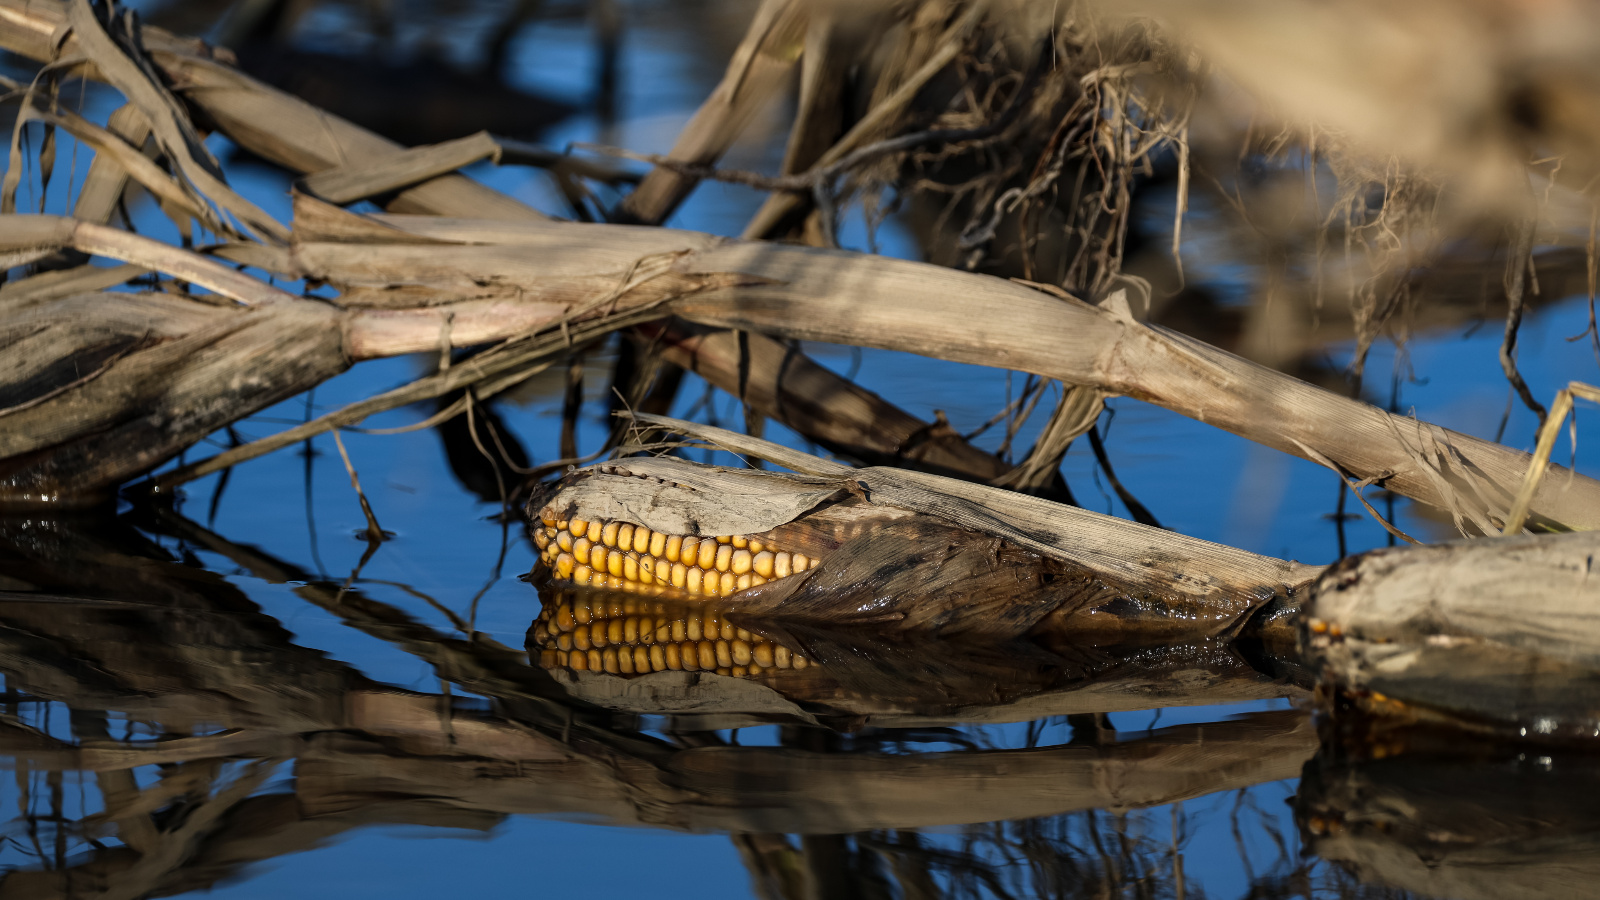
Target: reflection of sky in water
{"x": 1196, "y": 479}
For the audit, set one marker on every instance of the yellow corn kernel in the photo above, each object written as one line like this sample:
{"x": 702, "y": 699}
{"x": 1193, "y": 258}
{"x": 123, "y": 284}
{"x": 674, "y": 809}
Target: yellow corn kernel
{"x": 727, "y": 583}
{"x": 595, "y": 662}
{"x": 658, "y": 545}
{"x": 695, "y": 582}
{"x": 581, "y": 573}
{"x": 639, "y": 541}
{"x": 761, "y": 653}
{"x": 608, "y": 533}
{"x": 580, "y": 639}
{"x": 578, "y": 660}
{"x": 630, "y": 568}
{"x": 547, "y": 517}
{"x": 581, "y": 611}
{"x": 690, "y": 655}
{"x": 564, "y": 564}
{"x": 724, "y": 654}
{"x": 595, "y": 529}
{"x": 597, "y": 633}
{"x": 742, "y": 582}
{"x": 578, "y": 527}
{"x": 678, "y": 630}
{"x": 724, "y": 558}
{"x": 547, "y": 658}
{"x": 742, "y": 634}
{"x": 674, "y": 550}
{"x": 689, "y": 551}
{"x": 762, "y": 562}
{"x": 757, "y": 546}
{"x": 563, "y": 617}
{"x": 740, "y": 652}
{"x": 694, "y": 629}
{"x": 707, "y": 556}
{"x": 658, "y": 657}
{"x": 615, "y": 630}
{"x": 564, "y": 540}
{"x": 800, "y": 661}
{"x": 739, "y": 561}
{"x": 541, "y": 538}
{"x": 680, "y": 575}
{"x": 707, "y": 652}
{"x": 740, "y": 541}
{"x": 799, "y": 562}
{"x": 781, "y": 566}
{"x": 724, "y": 538}
{"x": 781, "y": 657}
{"x": 561, "y": 524}
{"x": 641, "y": 660}
{"x": 624, "y": 660}
{"x": 564, "y": 641}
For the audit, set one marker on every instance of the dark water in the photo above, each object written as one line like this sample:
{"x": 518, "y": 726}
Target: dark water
{"x": 239, "y": 695}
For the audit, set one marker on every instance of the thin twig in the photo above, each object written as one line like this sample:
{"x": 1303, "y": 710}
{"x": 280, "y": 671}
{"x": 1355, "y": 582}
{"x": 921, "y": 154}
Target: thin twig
{"x": 374, "y": 533}
{"x": 1516, "y": 284}
{"x": 1355, "y": 488}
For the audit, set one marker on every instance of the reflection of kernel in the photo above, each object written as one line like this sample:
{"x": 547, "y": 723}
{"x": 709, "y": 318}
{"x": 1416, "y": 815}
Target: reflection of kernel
{"x": 618, "y": 639}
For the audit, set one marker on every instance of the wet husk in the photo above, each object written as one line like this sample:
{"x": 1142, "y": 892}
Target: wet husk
{"x": 968, "y": 558}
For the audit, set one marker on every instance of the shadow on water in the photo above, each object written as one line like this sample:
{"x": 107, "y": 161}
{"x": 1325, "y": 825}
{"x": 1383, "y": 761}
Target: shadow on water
{"x": 214, "y": 742}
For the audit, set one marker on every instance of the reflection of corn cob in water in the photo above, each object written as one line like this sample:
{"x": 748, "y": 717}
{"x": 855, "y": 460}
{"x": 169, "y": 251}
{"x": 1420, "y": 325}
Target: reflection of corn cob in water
{"x": 629, "y": 557}
{"x": 627, "y": 635}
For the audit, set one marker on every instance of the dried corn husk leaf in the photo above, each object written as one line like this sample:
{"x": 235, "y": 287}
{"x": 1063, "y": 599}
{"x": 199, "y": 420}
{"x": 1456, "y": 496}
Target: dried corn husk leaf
{"x": 680, "y": 497}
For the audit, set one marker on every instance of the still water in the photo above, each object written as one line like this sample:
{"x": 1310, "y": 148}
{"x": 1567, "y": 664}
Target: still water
{"x": 239, "y": 695}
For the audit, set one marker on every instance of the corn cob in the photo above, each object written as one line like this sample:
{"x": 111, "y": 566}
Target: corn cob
{"x": 627, "y": 557}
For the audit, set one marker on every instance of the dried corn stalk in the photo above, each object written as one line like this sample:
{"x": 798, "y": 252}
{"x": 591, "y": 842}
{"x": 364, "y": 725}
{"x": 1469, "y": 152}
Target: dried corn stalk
{"x": 1500, "y": 632}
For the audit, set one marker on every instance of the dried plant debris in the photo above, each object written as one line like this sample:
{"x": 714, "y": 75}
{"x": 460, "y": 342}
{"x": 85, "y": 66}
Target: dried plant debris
{"x": 395, "y": 297}
{"x": 1501, "y": 634}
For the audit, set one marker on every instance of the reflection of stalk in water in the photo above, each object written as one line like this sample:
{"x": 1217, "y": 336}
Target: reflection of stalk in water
{"x": 365, "y": 752}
